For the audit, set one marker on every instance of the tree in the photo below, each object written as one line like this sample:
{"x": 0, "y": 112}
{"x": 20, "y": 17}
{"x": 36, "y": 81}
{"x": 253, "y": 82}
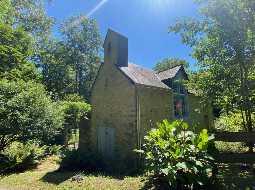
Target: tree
{"x": 169, "y": 63}
{"x": 224, "y": 46}
{"x": 31, "y": 16}
{"x": 82, "y": 40}
{"x": 4, "y": 9}
{"x": 58, "y": 73}
{"x": 15, "y": 51}
{"x": 27, "y": 113}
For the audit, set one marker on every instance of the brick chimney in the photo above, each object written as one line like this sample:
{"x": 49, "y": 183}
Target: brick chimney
{"x": 116, "y": 49}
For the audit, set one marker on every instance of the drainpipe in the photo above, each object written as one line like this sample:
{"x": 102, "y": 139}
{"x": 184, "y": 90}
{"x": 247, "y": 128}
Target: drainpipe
{"x": 138, "y": 123}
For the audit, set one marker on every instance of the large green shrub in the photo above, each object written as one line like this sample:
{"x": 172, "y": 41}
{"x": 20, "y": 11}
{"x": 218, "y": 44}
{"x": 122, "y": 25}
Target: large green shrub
{"x": 27, "y": 113}
{"x": 177, "y": 155}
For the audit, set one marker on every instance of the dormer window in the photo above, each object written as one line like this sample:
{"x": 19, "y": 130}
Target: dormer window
{"x": 173, "y": 78}
{"x": 180, "y": 100}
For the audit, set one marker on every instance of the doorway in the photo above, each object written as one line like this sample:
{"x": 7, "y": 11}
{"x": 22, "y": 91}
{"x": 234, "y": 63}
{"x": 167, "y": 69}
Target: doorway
{"x": 106, "y": 141}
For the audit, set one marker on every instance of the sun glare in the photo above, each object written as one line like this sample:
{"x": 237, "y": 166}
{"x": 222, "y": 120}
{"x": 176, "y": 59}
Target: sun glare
{"x": 160, "y": 4}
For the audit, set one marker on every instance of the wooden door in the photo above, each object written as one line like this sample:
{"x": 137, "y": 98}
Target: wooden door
{"x": 105, "y": 141}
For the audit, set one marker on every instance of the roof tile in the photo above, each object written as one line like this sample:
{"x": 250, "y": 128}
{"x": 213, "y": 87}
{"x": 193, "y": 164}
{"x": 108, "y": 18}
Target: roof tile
{"x": 170, "y": 73}
{"x": 143, "y": 76}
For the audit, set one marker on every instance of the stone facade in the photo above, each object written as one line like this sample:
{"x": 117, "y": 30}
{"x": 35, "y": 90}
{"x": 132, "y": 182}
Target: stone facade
{"x": 154, "y": 105}
{"x": 127, "y": 101}
{"x": 114, "y": 105}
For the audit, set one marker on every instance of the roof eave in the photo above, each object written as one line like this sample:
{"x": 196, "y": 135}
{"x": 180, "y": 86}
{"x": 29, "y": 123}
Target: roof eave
{"x": 156, "y": 87}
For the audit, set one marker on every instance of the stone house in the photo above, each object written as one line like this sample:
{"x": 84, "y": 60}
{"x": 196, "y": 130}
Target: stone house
{"x": 128, "y": 100}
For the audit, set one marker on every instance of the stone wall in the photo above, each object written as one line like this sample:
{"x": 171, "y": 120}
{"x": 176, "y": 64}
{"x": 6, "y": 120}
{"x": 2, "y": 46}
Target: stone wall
{"x": 113, "y": 105}
{"x": 156, "y": 104}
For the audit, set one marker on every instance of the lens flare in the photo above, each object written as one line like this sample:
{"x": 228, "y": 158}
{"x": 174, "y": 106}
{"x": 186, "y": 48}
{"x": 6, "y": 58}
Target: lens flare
{"x": 159, "y": 5}
{"x": 97, "y": 7}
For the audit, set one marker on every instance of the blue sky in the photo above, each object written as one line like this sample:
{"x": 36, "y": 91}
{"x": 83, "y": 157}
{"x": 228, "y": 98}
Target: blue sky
{"x": 144, "y": 22}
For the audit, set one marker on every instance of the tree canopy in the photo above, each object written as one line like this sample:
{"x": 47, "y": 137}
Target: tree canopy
{"x": 70, "y": 65}
{"x": 31, "y": 16}
{"x": 169, "y": 63}
{"x": 15, "y": 51}
{"x": 224, "y": 46}
{"x": 29, "y": 109}
{"x": 83, "y": 42}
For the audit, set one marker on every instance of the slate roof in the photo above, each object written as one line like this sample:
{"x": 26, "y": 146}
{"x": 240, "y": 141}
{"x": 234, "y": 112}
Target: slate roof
{"x": 170, "y": 73}
{"x": 140, "y": 75}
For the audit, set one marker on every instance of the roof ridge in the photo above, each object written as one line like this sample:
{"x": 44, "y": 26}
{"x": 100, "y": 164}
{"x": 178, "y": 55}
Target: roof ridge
{"x": 171, "y": 68}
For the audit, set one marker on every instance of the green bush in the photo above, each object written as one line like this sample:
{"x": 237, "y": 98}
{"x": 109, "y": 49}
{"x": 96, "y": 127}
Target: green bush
{"x": 178, "y": 156}
{"x": 75, "y": 109}
{"x": 21, "y": 156}
{"x": 75, "y": 160}
{"x": 231, "y": 122}
{"x": 27, "y": 113}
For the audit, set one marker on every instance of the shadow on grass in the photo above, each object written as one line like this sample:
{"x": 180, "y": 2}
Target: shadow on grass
{"x": 61, "y": 175}
{"x": 57, "y": 177}
{"x": 16, "y": 169}
{"x": 234, "y": 176}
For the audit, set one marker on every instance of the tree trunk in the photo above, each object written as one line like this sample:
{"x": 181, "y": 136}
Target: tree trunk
{"x": 245, "y": 94}
{"x": 249, "y": 126}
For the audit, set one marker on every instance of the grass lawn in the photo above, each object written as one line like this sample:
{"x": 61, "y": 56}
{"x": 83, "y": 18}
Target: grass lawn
{"x": 45, "y": 176}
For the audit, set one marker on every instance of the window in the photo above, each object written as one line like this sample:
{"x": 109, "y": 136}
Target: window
{"x": 182, "y": 89}
{"x": 180, "y": 97}
{"x": 178, "y": 88}
{"x": 175, "y": 87}
{"x": 180, "y": 106}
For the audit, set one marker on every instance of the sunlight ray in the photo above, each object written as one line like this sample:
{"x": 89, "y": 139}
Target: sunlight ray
{"x": 97, "y": 7}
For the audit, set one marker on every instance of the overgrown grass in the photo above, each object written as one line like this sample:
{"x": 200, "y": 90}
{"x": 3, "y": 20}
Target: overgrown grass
{"x": 47, "y": 176}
